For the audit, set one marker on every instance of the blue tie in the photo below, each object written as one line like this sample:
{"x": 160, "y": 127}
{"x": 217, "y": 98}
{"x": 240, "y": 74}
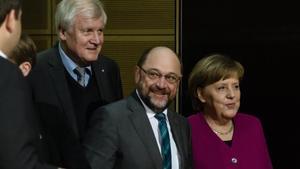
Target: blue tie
{"x": 81, "y": 72}
{"x": 165, "y": 140}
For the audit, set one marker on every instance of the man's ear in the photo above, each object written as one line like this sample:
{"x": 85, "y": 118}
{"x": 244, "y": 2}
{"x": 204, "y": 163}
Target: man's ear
{"x": 10, "y": 21}
{"x": 25, "y": 68}
{"x": 62, "y": 34}
{"x": 137, "y": 74}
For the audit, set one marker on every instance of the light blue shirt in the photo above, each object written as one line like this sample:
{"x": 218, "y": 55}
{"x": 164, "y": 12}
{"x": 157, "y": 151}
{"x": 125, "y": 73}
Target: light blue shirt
{"x": 70, "y": 65}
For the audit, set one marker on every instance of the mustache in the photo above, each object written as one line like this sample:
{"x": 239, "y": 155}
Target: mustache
{"x": 164, "y": 91}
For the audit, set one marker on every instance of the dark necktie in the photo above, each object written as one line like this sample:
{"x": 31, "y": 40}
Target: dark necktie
{"x": 165, "y": 140}
{"x": 80, "y": 72}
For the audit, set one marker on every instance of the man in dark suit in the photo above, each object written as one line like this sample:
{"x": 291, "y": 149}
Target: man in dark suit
{"x": 18, "y": 125}
{"x": 16, "y": 130}
{"x": 126, "y": 134}
{"x": 64, "y": 96}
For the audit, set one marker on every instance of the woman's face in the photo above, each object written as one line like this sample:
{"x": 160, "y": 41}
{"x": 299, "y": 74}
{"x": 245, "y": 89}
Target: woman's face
{"x": 222, "y": 98}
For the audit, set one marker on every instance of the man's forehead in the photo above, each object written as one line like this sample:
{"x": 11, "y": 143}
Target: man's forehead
{"x": 160, "y": 54}
{"x": 163, "y": 63}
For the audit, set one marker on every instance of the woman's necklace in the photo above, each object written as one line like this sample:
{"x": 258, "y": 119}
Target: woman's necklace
{"x": 217, "y": 131}
{"x": 224, "y": 133}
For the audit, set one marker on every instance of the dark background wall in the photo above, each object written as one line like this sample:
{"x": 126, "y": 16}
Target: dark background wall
{"x": 265, "y": 38}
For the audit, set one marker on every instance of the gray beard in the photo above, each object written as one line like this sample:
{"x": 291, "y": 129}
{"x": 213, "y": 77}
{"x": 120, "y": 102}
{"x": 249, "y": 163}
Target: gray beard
{"x": 147, "y": 101}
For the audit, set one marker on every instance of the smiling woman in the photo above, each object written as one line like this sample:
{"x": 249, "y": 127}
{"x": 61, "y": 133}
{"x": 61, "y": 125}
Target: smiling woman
{"x": 218, "y": 129}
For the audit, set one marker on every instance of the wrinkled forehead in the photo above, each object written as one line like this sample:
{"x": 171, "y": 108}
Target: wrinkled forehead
{"x": 164, "y": 60}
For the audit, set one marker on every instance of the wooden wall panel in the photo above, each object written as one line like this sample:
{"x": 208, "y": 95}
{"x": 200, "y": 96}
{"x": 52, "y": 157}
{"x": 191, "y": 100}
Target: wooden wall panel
{"x": 133, "y": 25}
{"x": 142, "y": 14}
{"x": 37, "y": 19}
{"x": 42, "y": 42}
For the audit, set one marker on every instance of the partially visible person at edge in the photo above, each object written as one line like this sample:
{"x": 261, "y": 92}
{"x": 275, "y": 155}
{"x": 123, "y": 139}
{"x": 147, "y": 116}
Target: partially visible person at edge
{"x": 71, "y": 80}
{"x": 18, "y": 123}
{"x": 140, "y": 131}
{"x": 24, "y": 54}
{"x": 222, "y": 137}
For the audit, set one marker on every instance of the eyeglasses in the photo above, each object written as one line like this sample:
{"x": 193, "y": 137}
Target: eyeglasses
{"x": 171, "y": 78}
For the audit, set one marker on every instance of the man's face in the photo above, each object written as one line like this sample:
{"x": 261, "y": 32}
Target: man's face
{"x": 84, "y": 40}
{"x": 154, "y": 79}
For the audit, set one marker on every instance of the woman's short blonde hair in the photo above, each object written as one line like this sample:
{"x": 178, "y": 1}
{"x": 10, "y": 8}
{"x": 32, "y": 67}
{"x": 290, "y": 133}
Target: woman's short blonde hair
{"x": 209, "y": 70}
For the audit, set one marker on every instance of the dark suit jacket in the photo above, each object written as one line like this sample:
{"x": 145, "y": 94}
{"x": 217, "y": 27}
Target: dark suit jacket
{"x": 54, "y": 104}
{"x": 121, "y": 137}
{"x": 18, "y": 125}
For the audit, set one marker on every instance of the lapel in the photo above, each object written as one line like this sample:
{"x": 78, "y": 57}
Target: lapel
{"x": 57, "y": 73}
{"x": 143, "y": 128}
{"x": 177, "y": 136}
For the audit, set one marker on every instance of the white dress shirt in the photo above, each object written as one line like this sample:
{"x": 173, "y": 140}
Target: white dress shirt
{"x": 154, "y": 125}
{"x": 3, "y": 55}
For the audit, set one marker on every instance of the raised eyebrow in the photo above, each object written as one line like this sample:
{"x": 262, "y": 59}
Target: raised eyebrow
{"x": 168, "y": 74}
{"x": 236, "y": 84}
{"x": 221, "y": 84}
{"x": 172, "y": 73}
{"x": 86, "y": 30}
{"x": 153, "y": 69}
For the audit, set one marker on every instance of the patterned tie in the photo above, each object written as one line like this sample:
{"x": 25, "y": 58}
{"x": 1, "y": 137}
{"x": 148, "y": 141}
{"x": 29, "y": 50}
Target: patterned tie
{"x": 80, "y": 72}
{"x": 165, "y": 141}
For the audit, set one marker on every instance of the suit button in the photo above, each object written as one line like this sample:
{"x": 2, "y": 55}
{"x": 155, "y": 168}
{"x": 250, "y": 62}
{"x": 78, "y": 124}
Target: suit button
{"x": 234, "y": 160}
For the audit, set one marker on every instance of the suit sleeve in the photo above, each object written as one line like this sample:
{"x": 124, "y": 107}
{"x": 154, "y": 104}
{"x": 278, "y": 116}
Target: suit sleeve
{"x": 17, "y": 126}
{"x": 101, "y": 141}
{"x": 117, "y": 81}
{"x": 262, "y": 146}
{"x": 190, "y": 156}
{"x": 17, "y": 134}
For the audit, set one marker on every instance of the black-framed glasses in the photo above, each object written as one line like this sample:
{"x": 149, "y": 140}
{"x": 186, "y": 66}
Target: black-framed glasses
{"x": 153, "y": 74}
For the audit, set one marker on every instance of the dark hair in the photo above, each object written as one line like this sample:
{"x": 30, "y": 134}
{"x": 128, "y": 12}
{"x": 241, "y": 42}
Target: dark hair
{"x": 7, "y": 5}
{"x": 144, "y": 56}
{"x": 209, "y": 70}
{"x": 24, "y": 51}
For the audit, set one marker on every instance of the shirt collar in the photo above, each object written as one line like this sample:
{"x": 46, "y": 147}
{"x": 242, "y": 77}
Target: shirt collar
{"x": 3, "y": 55}
{"x": 68, "y": 63}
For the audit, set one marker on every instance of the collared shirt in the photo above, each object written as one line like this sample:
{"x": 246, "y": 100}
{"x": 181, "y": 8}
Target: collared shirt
{"x": 70, "y": 65}
{"x": 154, "y": 125}
{"x": 3, "y": 55}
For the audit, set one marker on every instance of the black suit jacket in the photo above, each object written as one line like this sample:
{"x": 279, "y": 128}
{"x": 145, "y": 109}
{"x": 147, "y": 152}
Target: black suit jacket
{"x": 54, "y": 104}
{"x": 121, "y": 137}
{"x": 18, "y": 123}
